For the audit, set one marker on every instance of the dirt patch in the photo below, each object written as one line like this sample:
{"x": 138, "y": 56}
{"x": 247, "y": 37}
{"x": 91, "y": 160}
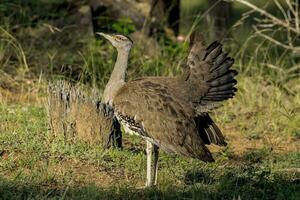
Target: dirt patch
{"x": 239, "y": 144}
{"x": 85, "y": 173}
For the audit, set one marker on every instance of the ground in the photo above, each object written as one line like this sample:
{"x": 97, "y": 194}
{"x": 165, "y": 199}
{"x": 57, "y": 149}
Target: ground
{"x": 34, "y": 164}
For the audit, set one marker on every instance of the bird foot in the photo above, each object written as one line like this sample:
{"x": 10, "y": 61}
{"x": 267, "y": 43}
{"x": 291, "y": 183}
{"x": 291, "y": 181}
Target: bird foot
{"x": 147, "y": 185}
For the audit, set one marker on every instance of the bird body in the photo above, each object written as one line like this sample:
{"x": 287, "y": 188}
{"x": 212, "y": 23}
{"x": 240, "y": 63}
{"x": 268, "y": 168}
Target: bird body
{"x": 171, "y": 113}
{"x": 162, "y": 119}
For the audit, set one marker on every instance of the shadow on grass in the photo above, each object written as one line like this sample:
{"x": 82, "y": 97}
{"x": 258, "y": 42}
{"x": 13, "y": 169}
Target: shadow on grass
{"x": 249, "y": 177}
{"x": 258, "y": 183}
{"x": 246, "y": 184}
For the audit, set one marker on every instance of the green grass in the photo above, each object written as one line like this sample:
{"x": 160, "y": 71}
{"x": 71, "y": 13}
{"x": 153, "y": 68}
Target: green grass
{"x": 35, "y": 164}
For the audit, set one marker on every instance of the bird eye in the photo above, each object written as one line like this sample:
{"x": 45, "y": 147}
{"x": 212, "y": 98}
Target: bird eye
{"x": 119, "y": 37}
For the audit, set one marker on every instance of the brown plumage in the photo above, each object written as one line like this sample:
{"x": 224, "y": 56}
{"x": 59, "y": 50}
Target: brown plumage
{"x": 165, "y": 120}
{"x": 172, "y": 112}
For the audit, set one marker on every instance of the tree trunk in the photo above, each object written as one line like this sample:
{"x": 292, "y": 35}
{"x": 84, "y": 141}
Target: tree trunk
{"x": 164, "y": 17}
{"x": 218, "y": 19}
{"x": 114, "y": 9}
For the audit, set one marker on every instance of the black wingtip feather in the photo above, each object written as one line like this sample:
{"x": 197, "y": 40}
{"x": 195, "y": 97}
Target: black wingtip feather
{"x": 208, "y": 131}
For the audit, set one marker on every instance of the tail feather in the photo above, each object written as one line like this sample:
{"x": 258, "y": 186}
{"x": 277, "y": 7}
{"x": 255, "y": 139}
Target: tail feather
{"x": 212, "y": 46}
{"x": 227, "y": 78}
{"x": 221, "y": 77}
{"x": 219, "y": 96}
{"x": 224, "y": 87}
{"x": 224, "y": 65}
{"x": 220, "y": 59}
{"x": 210, "y": 68}
{"x": 214, "y": 53}
{"x": 220, "y": 72}
{"x": 233, "y": 90}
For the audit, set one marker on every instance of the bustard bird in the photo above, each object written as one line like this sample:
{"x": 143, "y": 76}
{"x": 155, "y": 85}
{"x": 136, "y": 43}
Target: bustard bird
{"x": 171, "y": 113}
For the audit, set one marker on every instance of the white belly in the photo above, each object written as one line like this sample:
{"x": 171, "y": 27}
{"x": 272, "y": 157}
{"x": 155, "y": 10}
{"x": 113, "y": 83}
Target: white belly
{"x": 128, "y": 130}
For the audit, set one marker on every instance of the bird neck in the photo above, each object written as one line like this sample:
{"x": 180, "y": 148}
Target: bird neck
{"x": 117, "y": 78}
{"x": 119, "y": 71}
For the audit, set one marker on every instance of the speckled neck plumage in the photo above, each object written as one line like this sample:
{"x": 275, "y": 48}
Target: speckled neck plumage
{"x": 117, "y": 78}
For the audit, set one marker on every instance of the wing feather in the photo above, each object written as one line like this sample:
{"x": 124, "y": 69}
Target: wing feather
{"x": 166, "y": 120}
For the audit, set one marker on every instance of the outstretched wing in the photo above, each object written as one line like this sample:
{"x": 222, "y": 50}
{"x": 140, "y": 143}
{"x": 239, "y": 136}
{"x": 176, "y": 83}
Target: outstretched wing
{"x": 151, "y": 110}
{"x": 210, "y": 71}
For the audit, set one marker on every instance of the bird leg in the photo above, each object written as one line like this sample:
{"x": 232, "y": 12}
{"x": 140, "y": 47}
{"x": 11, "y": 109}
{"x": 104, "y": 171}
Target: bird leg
{"x": 151, "y": 178}
{"x": 149, "y": 159}
{"x": 155, "y": 167}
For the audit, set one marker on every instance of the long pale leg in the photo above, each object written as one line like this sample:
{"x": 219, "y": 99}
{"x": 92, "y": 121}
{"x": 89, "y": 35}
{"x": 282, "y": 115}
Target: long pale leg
{"x": 149, "y": 159}
{"x": 155, "y": 164}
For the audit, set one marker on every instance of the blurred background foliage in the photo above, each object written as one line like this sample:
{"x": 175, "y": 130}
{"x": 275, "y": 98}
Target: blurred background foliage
{"x": 56, "y": 40}
{"x": 57, "y": 37}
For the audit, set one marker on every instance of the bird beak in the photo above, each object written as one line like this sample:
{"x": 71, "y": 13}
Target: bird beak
{"x": 108, "y": 37}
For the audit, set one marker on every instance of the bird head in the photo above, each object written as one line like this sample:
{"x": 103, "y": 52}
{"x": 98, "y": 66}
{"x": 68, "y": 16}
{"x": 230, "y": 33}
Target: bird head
{"x": 121, "y": 42}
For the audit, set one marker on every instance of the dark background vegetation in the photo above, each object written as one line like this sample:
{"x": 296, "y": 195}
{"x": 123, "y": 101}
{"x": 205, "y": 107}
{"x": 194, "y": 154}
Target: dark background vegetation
{"x": 42, "y": 41}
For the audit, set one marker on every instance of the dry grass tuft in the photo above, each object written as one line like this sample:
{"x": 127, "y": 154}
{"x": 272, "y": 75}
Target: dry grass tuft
{"x": 79, "y": 114}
